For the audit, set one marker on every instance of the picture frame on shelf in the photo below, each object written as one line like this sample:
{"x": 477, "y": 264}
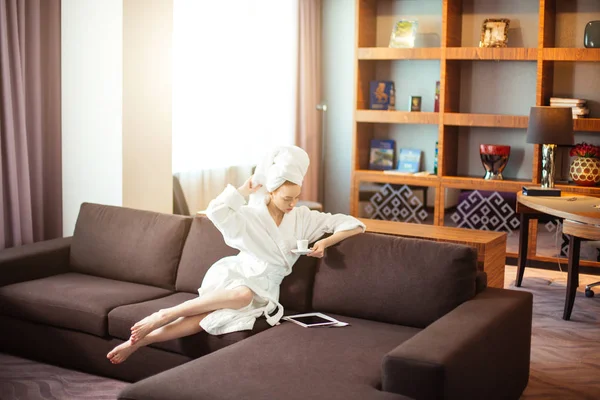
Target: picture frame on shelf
{"x": 494, "y": 32}
{"x": 415, "y": 103}
{"x": 404, "y": 34}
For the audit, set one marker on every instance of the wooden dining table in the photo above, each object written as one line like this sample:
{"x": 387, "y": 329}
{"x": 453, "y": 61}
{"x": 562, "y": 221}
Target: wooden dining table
{"x": 581, "y": 221}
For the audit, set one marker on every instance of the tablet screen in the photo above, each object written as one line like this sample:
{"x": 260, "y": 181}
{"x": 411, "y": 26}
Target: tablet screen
{"x": 312, "y": 319}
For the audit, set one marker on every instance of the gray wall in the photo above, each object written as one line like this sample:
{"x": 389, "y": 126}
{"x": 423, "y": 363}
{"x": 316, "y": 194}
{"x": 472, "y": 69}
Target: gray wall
{"x": 338, "y": 93}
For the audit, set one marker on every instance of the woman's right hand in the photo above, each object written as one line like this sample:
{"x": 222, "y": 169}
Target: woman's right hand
{"x": 248, "y": 188}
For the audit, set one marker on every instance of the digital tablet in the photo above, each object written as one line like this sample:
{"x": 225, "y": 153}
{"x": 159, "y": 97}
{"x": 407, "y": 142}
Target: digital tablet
{"x": 310, "y": 320}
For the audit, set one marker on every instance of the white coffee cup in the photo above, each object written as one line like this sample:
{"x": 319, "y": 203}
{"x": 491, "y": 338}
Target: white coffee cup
{"x": 302, "y": 244}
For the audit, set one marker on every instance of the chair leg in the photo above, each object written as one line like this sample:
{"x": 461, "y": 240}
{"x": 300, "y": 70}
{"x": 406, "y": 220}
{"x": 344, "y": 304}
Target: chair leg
{"x": 573, "y": 275}
{"x": 591, "y": 285}
{"x": 588, "y": 289}
{"x": 523, "y": 243}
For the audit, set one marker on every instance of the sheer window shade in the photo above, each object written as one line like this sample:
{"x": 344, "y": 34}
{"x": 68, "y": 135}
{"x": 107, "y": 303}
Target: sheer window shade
{"x": 234, "y": 83}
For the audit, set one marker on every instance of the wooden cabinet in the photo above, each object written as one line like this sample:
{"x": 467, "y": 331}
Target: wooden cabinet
{"x": 485, "y": 96}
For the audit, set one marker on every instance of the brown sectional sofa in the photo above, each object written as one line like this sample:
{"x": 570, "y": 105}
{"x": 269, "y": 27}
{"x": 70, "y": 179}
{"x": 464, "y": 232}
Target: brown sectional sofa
{"x": 422, "y": 323}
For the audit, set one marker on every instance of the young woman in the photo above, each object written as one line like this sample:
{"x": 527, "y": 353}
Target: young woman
{"x": 236, "y": 290}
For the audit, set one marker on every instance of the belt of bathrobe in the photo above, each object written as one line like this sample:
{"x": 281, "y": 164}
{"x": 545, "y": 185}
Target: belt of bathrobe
{"x": 273, "y": 319}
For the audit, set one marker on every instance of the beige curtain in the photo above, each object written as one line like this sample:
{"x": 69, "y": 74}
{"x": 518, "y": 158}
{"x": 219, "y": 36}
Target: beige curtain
{"x": 308, "y": 132}
{"x": 30, "y": 129}
{"x": 200, "y": 187}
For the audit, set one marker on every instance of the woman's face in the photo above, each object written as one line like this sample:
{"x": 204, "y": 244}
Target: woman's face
{"x": 286, "y": 196}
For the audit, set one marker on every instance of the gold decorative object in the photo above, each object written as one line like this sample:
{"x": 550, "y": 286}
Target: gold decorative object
{"x": 585, "y": 168}
{"x": 585, "y": 171}
{"x": 494, "y": 32}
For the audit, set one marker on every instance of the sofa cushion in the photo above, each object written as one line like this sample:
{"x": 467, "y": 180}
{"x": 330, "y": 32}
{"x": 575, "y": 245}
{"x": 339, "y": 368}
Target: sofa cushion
{"x": 72, "y": 300}
{"x": 205, "y": 246}
{"x": 128, "y": 245}
{"x": 393, "y": 279}
{"x": 121, "y": 319}
{"x": 286, "y": 362}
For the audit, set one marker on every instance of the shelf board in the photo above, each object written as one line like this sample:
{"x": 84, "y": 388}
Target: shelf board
{"x": 563, "y": 260}
{"x": 465, "y": 182}
{"x": 387, "y": 53}
{"x": 479, "y": 53}
{"x": 365, "y": 175}
{"x": 570, "y": 54}
{"x": 486, "y": 120}
{"x": 397, "y": 117}
{"x": 586, "y": 124}
{"x": 464, "y": 119}
{"x": 496, "y": 54}
{"x": 585, "y": 190}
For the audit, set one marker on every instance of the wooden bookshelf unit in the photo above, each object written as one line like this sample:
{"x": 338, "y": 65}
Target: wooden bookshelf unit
{"x": 543, "y": 57}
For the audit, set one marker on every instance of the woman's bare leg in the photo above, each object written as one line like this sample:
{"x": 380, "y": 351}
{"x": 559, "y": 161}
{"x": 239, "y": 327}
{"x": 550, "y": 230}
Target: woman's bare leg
{"x": 181, "y": 327}
{"x": 226, "y": 298}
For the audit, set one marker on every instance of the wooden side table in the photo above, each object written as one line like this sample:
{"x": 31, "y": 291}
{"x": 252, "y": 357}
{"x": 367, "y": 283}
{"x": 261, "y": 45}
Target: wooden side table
{"x": 581, "y": 220}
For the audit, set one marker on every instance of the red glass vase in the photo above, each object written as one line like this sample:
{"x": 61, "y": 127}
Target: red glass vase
{"x": 494, "y": 158}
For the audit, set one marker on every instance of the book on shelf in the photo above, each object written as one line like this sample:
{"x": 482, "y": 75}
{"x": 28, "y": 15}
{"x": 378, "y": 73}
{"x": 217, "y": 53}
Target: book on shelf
{"x": 580, "y": 112}
{"x": 381, "y": 95}
{"x": 382, "y": 154}
{"x": 577, "y": 106}
{"x": 540, "y": 191}
{"x": 566, "y": 101}
{"x": 409, "y": 160}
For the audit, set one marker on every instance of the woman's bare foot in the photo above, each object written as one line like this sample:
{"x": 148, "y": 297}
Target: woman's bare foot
{"x": 147, "y": 325}
{"x": 121, "y": 352}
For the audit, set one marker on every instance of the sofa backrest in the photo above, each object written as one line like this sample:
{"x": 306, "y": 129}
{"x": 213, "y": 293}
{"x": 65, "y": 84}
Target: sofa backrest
{"x": 297, "y": 288}
{"x": 205, "y": 246}
{"x": 129, "y": 245}
{"x": 392, "y": 279}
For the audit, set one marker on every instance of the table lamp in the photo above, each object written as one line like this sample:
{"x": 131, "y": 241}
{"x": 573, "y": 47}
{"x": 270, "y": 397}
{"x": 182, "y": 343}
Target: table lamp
{"x": 550, "y": 126}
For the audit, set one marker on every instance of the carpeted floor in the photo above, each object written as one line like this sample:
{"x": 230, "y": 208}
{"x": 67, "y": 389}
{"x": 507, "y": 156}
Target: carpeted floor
{"x": 565, "y": 356}
{"x": 22, "y": 379}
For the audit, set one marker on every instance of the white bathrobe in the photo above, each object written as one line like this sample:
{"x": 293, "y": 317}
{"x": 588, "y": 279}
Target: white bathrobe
{"x": 265, "y": 256}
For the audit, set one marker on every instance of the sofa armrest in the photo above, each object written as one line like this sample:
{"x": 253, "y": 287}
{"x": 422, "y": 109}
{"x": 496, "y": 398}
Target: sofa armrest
{"x": 34, "y": 261}
{"x": 479, "y": 350}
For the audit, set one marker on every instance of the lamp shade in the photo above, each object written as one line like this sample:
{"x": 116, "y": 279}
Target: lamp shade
{"x": 550, "y": 125}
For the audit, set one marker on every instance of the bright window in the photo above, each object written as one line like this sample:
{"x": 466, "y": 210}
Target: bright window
{"x": 234, "y": 80}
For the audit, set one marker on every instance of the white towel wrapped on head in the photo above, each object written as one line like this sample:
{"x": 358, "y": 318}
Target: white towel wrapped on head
{"x": 284, "y": 163}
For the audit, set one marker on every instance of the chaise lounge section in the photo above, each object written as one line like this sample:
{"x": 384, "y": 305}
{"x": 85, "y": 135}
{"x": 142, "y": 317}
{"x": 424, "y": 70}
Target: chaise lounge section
{"x": 423, "y": 325}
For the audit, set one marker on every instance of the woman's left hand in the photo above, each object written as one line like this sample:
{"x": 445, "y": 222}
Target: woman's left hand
{"x": 318, "y": 249}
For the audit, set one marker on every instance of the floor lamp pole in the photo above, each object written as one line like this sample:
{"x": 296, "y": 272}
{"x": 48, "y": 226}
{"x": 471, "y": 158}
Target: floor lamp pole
{"x": 323, "y": 108}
